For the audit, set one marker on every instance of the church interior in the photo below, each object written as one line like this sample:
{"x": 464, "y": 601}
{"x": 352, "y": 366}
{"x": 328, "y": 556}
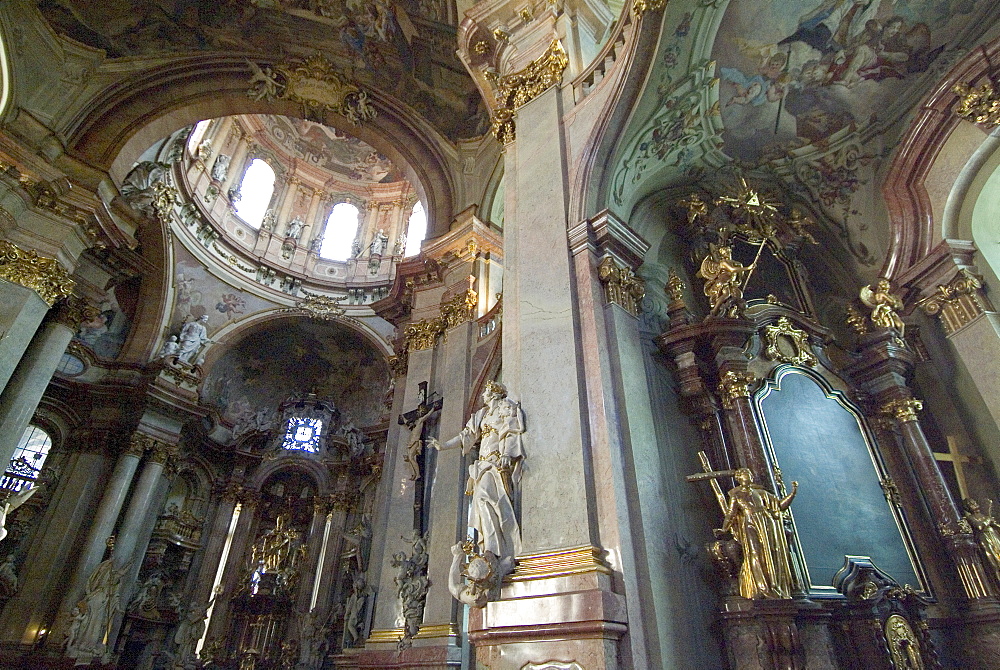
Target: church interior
{"x": 500, "y": 334}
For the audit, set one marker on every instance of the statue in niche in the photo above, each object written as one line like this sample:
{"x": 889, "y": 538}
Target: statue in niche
{"x": 356, "y": 545}
{"x": 379, "y": 243}
{"x": 495, "y": 475}
{"x": 986, "y": 530}
{"x": 312, "y": 639}
{"x": 316, "y": 245}
{"x": 755, "y": 517}
{"x": 355, "y": 248}
{"x": 412, "y": 584}
{"x": 355, "y": 609}
{"x": 723, "y": 281}
{"x": 193, "y": 336}
{"x": 190, "y": 629}
{"x": 220, "y": 169}
{"x": 169, "y": 348}
{"x": 884, "y": 306}
{"x": 94, "y": 614}
{"x": 11, "y": 503}
{"x": 270, "y": 218}
{"x": 8, "y": 577}
{"x": 295, "y": 228}
{"x": 148, "y": 594}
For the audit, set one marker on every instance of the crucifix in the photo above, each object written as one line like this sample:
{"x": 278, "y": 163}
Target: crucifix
{"x": 713, "y": 478}
{"x": 419, "y": 459}
{"x": 957, "y": 460}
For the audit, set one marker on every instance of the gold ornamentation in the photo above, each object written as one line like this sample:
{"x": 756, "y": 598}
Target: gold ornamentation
{"x": 322, "y": 307}
{"x": 424, "y": 334}
{"x": 979, "y": 105}
{"x": 735, "y": 385}
{"x": 884, "y": 306}
{"x": 723, "y": 281}
{"x": 163, "y": 453}
{"x": 480, "y": 47}
{"x": 164, "y": 199}
{"x": 903, "y": 644}
{"x": 986, "y": 530}
{"x": 641, "y": 7}
{"x": 697, "y": 208}
{"x": 500, "y": 35}
{"x": 675, "y": 289}
{"x": 891, "y": 492}
{"x": 856, "y": 321}
{"x": 45, "y": 276}
{"x": 399, "y": 363}
{"x": 756, "y": 212}
{"x": 71, "y": 311}
{"x": 315, "y": 84}
{"x": 903, "y": 409}
{"x": 514, "y": 90}
{"x": 138, "y": 444}
{"x": 344, "y": 500}
{"x": 559, "y": 563}
{"x": 958, "y": 303}
{"x": 460, "y": 309}
{"x": 788, "y": 344}
{"x": 621, "y": 286}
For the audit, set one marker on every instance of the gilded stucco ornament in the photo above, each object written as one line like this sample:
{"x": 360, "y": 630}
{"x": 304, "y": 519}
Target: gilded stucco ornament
{"x": 788, "y": 344}
{"x": 460, "y": 309}
{"x": 903, "y": 644}
{"x": 45, "y": 276}
{"x": 675, "y": 288}
{"x": 424, "y": 334}
{"x": 884, "y": 306}
{"x": 903, "y": 409}
{"x": 979, "y": 105}
{"x": 72, "y": 311}
{"x": 724, "y": 280}
{"x": 313, "y": 83}
{"x": 957, "y": 303}
{"x": 986, "y": 531}
{"x": 514, "y": 90}
{"x": 399, "y": 363}
{"x": 621, "y": 286}
{"x": 322, "y": 307}
{"x": 640, "y": 7}
{"x": 735, "y": 385}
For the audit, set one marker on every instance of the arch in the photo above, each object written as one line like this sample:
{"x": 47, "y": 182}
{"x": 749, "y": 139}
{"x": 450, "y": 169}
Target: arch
{"x": 319, "y": 472}
{"x": 129, "y": 117}
{"x": 911, "y": 214}
{"x": 6, "y": 75}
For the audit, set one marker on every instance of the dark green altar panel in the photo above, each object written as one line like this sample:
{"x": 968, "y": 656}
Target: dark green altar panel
{"x": 840, "y": 508}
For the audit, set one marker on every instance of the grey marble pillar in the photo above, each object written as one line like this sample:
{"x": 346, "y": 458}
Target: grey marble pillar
{"x": 132, "y": 525}
{"x": 92, "y": 551}
{"x": 31, "y": 376}
{"x": 235, "y": 562}
{"x": 21, "y": 311}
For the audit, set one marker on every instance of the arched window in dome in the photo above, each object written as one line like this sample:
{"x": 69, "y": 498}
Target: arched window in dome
{"x": 29, "y": 456}
{"x": 416, "y": 230}
{"x": 256, "y": 190}
{"x": 341, "y": 229}
{"x": 198, "y": 134}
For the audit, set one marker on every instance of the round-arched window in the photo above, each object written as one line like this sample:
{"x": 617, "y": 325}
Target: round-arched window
{"x": 341, "y": 229}
{"x": 256, "y": 190}
{"x": 416, "y": 230}
{"x": 29, "y": 456}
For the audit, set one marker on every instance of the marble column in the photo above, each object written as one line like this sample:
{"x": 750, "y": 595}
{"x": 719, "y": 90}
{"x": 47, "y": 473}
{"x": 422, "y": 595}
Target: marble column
{"x": 143, "y": 493}
{"x": 94, "y": 546}
{"x": 44, "y": 572}
{"x": 235, "y": 563}
{"x": 314, "y": 546}
{"x": 214, "y": 536}
{"x": 29, "y": 285}
{"x": 24, "y": 390}
{"x": 21, "y": 311}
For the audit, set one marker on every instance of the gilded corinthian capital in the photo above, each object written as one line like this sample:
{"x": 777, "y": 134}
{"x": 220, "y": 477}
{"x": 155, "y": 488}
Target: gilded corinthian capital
{"x": 45, "y": 276}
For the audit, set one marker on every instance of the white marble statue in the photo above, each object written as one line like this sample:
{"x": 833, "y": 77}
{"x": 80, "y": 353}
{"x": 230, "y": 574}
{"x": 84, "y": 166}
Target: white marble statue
{"x": 295, "y": 228}
{"x": 494, "y": 476}
{"x": 169, "y": 348}
{"x": 270, "y": 218}
{"x": 193, "y": 336}
{"x": 379, "y": 243}
{"x": 96, "y": 612}
{"x": 190, "y": 630}
{"x": 8, "y": 577}
{"x": 11, "y": 503}
{"x": 220, "y": 169}
{"x": 354, "y": 610}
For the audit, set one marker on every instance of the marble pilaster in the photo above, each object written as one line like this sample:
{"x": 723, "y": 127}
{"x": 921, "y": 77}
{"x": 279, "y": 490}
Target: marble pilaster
{"x": 21, "y": 312}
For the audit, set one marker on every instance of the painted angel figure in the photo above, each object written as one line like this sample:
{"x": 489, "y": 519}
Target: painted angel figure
{"x": 723, "y": 280}
{"x": 884, "y": 306}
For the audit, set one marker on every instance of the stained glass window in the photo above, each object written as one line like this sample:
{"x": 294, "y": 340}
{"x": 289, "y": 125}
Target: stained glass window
{"x": 22, "y": 472}
{"x": 303, "y": 434}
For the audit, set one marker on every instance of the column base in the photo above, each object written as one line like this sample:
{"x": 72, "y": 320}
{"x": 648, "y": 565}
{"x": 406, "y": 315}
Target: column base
{"x": 435, "y": 647}
{"x": 569, "y": 619}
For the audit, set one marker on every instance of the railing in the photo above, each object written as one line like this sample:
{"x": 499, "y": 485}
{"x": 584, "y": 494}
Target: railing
{"x": 598, "y": 69}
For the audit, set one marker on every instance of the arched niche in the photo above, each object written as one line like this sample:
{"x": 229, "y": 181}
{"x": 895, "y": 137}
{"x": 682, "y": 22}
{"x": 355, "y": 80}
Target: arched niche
{"x": 815, "y": 436}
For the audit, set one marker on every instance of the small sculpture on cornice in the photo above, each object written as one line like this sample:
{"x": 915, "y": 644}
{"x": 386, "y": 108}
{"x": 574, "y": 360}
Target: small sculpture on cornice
{"x": 264, "y": 84}
{"x": 169, "y": 348}
{"x": 379, "y": 243}
{"x": 295, "y": 228}
{"x": 884, "y": 306}
{"x": 193, "y": 337}
{"x": 270, "y": 218}
{"x": 220, "y": 170}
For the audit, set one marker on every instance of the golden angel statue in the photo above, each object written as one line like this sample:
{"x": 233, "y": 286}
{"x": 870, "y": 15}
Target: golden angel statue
{"x": 723, "y": 281}
{"x": 755, "y": 517}
{"x": 884, "y": 305}
{"x": 986, "y": 530}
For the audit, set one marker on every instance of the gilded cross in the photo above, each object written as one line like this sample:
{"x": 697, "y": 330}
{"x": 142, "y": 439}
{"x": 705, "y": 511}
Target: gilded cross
{"x": 957, "y": 459}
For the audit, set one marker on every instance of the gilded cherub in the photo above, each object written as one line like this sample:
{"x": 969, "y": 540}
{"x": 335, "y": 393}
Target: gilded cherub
{"x": 723, "y": 280}
{"x": 884, "y": 306}
{"x": 696, "y": 207}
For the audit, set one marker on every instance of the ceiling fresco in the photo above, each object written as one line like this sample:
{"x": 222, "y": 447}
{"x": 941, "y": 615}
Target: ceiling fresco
{"x": 342, "y": 154}
{"x": 805, "y": 96}
{"x": 400, "y": 47}
{"x": 815, "y": 68}
{"x": 289, "y": 358}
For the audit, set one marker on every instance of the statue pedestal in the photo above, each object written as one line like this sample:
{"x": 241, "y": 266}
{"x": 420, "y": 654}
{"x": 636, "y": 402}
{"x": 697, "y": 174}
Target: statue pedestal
{"x": 557, "y": 606}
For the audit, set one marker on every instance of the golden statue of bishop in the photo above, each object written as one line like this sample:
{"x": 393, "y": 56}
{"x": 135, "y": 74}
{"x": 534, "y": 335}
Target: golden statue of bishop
{"x": 723, "y": 281}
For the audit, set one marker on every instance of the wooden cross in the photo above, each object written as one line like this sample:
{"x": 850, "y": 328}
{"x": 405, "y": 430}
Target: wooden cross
{"x": 426, "y": 405}
{"x": 956, "y": 458}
